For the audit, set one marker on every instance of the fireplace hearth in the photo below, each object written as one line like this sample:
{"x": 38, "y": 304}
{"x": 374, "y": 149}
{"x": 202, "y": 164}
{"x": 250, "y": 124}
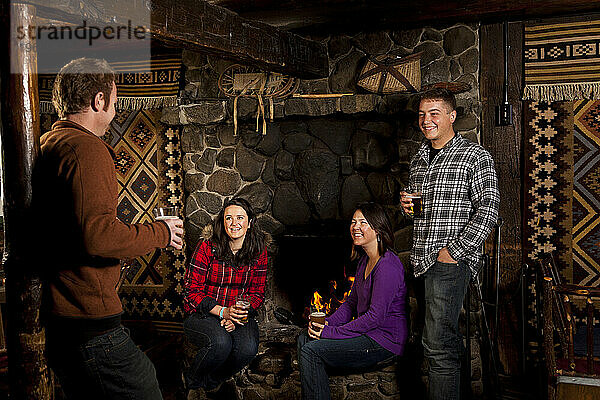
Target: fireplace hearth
{"x": 310, "y": 259}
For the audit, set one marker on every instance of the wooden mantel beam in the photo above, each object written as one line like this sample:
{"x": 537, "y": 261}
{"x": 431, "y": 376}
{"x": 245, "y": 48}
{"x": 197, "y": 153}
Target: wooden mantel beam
{"x": 354, "y": 15}
{"x": 200, "y": 26}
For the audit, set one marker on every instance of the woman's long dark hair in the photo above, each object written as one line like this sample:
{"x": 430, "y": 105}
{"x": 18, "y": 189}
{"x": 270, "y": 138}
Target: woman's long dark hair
{"x": 380, "y": 222}
{"x": 254, "y": 242}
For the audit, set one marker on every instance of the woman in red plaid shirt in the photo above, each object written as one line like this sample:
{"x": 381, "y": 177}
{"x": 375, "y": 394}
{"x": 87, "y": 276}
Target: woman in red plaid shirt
{"x": 232, "y": 262}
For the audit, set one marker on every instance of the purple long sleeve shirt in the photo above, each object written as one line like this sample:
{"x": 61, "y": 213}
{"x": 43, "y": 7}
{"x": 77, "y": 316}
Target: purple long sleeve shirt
{"x": 377, "y": 305}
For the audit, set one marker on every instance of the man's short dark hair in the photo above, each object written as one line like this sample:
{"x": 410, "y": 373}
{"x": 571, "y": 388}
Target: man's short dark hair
{"x": 440, "y": 94}
{"x": 77, "y": 84}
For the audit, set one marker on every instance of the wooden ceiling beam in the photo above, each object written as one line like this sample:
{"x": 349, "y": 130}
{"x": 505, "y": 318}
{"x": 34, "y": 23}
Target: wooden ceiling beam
{"x": 358, "y": 14}
{"x": 200, "y": 26}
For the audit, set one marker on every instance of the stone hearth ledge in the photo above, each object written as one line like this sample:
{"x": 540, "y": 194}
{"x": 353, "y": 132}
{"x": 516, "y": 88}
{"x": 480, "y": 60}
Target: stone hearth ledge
{"x": 274, "y": 373}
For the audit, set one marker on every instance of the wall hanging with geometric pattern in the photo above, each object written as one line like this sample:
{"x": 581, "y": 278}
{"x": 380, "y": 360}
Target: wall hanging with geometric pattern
{"x": 586, "y": 194}
{"x": 548, "y": 177}
{"x": 149, "y": 171}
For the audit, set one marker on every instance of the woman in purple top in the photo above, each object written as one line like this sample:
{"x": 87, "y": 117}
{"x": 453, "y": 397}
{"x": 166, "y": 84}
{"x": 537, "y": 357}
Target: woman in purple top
{"x": 370, "y": 326}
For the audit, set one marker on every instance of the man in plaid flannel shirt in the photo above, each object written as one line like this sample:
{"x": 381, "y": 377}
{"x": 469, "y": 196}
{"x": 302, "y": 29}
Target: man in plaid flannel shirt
{"x": 460, "y": 199}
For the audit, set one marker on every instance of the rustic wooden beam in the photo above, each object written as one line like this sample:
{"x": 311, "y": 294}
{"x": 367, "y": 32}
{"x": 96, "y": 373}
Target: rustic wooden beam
{"x": 29, "y": 375}
{"x": 505, "y": 145}
{"x": 200, "y": 26}
{"x": 353, "y": 14}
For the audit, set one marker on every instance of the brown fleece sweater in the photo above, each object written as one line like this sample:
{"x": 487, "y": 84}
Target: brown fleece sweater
{"x": 75, "y": 195}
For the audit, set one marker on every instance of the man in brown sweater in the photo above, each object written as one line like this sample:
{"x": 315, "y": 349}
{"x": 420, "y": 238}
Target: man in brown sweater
{"x": 76, "y": 193}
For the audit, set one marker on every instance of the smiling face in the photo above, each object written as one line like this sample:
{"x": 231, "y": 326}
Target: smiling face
{"x": 435, "y": 121}
{"x": 235, "y": 221}
{"x": 361, "y": 231}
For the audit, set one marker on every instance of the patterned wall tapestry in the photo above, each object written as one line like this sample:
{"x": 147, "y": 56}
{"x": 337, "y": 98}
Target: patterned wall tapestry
{"x": 142, "y": 82}
{"x": 562, "y": 154}
{"x": 549, "y": 183}
{"x": 562, "y": 59}
{"x": 149, "y": 173}
{"x": 548, "y": 151}
{"x": 586, "y": 194}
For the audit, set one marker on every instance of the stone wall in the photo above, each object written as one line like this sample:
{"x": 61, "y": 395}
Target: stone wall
{"x": 320, "y": 157}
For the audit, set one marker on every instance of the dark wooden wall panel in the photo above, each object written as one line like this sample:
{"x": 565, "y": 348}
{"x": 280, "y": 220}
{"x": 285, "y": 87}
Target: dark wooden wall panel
{"x": 505, "y": 144}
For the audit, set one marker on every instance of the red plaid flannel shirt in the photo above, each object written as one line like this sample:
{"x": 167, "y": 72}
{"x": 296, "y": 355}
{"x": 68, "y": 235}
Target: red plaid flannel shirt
{"x": 213, "y": 282}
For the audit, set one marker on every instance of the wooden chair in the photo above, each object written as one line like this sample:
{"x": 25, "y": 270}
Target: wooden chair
{"x": 569, "y": 376}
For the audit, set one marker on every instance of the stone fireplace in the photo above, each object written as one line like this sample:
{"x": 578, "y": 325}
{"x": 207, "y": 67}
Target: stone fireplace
{"x": 319, "y": 158}
{"x": 313, "y": 259}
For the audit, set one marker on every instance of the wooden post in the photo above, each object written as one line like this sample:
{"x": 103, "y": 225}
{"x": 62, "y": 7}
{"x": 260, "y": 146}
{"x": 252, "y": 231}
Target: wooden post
{"x": 549, "y": 335}
{"x": 28, "y": 372}
{"x": 504, "y": 144}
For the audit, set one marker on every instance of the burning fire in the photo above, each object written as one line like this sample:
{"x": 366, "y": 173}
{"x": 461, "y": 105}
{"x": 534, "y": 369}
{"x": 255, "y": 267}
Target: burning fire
{"x": 333, "y": 303}
{"x": 351, "y": 282}
{"x": 317, "y": 301}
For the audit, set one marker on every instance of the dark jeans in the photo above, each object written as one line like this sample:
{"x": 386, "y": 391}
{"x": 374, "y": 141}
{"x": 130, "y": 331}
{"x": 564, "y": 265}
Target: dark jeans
{"x": 445, "y": 288}
{"x": 219, "y": 354}
{"x": 108, "y": 366}
{"x": 315, "y": 355}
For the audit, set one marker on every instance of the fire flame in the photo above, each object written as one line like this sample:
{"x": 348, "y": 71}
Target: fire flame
{"x": 333, "y": 302}
{"x": 317, "y": 301}
{"x": 346, "y": 294}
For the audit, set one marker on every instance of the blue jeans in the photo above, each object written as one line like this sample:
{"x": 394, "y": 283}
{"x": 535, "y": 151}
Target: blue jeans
{"x": 315, "y": 355}
{"x": 219, "y": 354}
{"x": 445, "y": 288}
{"x": 108, "y": 366}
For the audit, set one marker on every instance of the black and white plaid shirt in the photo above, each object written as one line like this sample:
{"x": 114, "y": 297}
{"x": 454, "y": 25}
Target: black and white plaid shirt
{"x": 460, "y": 202}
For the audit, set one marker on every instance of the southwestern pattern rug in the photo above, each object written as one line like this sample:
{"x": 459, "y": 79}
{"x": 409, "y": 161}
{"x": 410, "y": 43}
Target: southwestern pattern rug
{"x": 586, "y": 194}
{"x": 563, "y": 197}
{"x": 142, "y": 83}
{"x": 548, "y": 160}
{"x": 549, "y": 183}
{"x": 562, "y": 59}
{"x": 149, "y": 171}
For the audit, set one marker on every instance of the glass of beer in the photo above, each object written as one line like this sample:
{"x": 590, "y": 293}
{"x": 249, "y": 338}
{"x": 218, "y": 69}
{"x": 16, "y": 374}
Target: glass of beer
{"x": 417, "y": 204}
{"x": 161, "y": 213}
{"x": 242, "y": 302}
{"x": 318, "y": 316}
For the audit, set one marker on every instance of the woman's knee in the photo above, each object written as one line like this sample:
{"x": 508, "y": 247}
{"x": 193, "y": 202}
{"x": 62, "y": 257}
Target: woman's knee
{"x": 247, "y": 350}
{"x": 198, "y": 329}
{"x": 216, "y": 344}
{"x": 302, "y": 340}
{"x": 220, "y": 343}
{"x": 309, "y": 350}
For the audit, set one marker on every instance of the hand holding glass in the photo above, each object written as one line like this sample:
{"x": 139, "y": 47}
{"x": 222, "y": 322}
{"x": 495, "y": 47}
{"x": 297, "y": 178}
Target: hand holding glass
{"x": 415, "y": 199}
{"x": 318, "y": 316}
{"x": 161, "y": 213}
{"x": 242, "y": 305}
{"x": 170, "y": 216}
